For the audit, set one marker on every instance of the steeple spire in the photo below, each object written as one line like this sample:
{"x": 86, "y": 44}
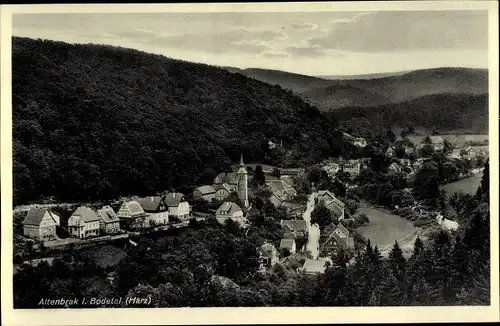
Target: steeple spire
{"x": 241, "y": 160}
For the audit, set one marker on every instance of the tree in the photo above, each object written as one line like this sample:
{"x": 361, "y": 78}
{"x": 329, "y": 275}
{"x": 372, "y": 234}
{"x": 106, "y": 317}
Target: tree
{"x": 447, "y": 147}
{"x": 259, "y": 176}
{"x": 391, "y": 137}
{"x": 321, "y": 216}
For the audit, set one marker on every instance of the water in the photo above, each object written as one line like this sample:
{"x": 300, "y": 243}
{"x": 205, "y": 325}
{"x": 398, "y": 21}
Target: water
{"x": 314, "y": 232}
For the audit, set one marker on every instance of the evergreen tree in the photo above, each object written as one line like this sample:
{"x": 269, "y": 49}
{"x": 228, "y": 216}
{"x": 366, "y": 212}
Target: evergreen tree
{"x": 397, "y": 262}
{"x": 259, "y": 176}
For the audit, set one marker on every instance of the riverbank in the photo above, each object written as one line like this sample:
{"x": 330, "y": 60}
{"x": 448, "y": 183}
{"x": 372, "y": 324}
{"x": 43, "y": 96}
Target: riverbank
{"x": 467, "y": 185}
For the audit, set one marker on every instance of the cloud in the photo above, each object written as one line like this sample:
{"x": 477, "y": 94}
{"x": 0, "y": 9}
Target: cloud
{"x": 233, "y": 39}
{"x": 305, "y": 51}
{"x": 274, "y": 54}
{"x": 407, "y": 30}
{"x": 304, "y": 27}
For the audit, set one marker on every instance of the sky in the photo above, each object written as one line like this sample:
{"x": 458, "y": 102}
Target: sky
{"x": 311, "y": 43}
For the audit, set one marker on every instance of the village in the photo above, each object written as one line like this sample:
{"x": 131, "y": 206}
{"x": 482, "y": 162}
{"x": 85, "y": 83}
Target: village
{"x": 303, "y": 247}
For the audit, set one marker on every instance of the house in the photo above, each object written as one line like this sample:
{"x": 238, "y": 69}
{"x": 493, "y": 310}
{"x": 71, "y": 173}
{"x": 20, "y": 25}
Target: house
{"x": 293, "y": 172}
{"x": 335, "y": 237}
{"x": 353, "y": 167}
{"x": 293, "y": 262}
{"x": 470, "y": 153}
{"x": 156, "y": 209}
{"x": 409, "y": 150}
{"x": 390, "y": 152}
{"x": 314, "y": 266}
{"x": 268, "y": 255}
{"x": 132, "y": 215}
{"x": 288, "y": 180}
{"x": 108, "y": 220}
{"x": 335, "y": 205}
{"x": 271, "y": 145}
{"x": 437, "y": 143}
{"x": 207, "y": 193}
{"x": 222, "y": 191}
{"x": 331, "y": 169}
{"x": 178, "y": 207}
{"x": 293, "y": 228}
{"x": 288, "y": 244}
{"x": 456, "y": 153}
{"x": 394, "y": 167}
{"x": 280, "y": 192}
{"x": 230, "y": 179}
{"x": 83, "y": 223}
{"x": 404, "y": 162}
{"x": 40, "y": 224}
{"x": 229, "y": 210}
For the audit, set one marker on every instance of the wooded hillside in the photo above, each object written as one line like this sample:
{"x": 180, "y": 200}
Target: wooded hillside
{"x": 92, "y": 121}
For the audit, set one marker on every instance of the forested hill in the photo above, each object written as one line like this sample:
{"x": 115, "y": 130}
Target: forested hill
{"x": 92, "y": 121}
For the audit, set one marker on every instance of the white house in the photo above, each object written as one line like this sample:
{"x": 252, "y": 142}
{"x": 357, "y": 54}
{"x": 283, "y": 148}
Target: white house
{"x": 229, "y": 210}
{"x": 132, "y": 215}
{"x": 83, "y": 223}
{"x": 178, "y": 207}
{"x": 40, "y": 224}
{"x": 288, "y": 244}
{"x": 156, "y": 208}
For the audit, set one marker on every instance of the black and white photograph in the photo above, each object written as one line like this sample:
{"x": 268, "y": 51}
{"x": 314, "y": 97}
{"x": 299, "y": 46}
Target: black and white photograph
{"x": 252, "y": 158}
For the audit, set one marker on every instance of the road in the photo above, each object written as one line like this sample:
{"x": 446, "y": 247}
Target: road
{"x": 314, "y": 232}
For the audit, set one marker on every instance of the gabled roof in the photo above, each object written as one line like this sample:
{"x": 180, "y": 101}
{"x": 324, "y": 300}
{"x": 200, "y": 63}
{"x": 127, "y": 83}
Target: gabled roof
{"x": 227, "y": 208}
{"x": 267, "y": 250}
{"x": 86, "y": 213}
{"x": 224, "y": 186}
{"x": 314, "y": 265}
{"x": 294, "y": 225}
{"x": 287, "y": 244}
{"x": 342, "y": 228}
{"x": 173, "y": 199}
{"x": 107, "y": 214}
{"x": 206, "y": 190}
{"x": 134, "y": 208}
{"x": 288, "y": 180}
{"x": 150, "y": 204}
{"x": 293, "y": 261}
{"x": 35, "y": 216}
{"x": 231, "y": 178}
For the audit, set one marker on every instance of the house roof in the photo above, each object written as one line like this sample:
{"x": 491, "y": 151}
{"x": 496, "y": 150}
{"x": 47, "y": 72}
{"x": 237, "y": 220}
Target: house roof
{"x": 173, "y": 199}
{"x": 228, "y": 207}
{"x": 224, "y": 186}
{"x": 134, "y": 207}
{"x": 35, "y": 216}
{"x": 291, "y": 171}
{"x": 279, "y": 188}
{"x": 295, "y": 225}
{"x": 343, "y": 229}
{"x": 107, "y": 214}
{"x": 231, "y": 178}
{"x": 206, "y": 190}
{"x": 288, "y": 180}
{"x": 293, "y": 261}
{"x": 314, "y": 265}
{"x": 150, "y": 204}
{"x": 87, "y": 214}
{"x": 287, "y": 244}
{"x": 267, "y": 249}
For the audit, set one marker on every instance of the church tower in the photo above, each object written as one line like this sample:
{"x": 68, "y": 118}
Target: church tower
{"x": 243, "y": 183}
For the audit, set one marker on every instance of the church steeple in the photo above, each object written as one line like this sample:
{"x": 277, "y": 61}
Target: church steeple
{"x": 243, "y": 183}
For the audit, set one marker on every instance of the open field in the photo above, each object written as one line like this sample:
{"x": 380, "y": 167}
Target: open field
{"x": 385, "y": 228}
{"x": 467, "y": 185}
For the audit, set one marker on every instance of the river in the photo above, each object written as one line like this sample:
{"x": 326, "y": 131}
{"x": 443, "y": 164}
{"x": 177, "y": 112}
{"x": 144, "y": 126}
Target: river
{"x": 468, "y": 185}
{"x": 314, "y": 232}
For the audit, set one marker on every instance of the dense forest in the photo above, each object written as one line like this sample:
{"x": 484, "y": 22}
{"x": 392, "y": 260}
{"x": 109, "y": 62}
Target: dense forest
{"x": 209, "y": 264}
{"x": 442, "y": 112}
{"x": 96, "y": 122}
